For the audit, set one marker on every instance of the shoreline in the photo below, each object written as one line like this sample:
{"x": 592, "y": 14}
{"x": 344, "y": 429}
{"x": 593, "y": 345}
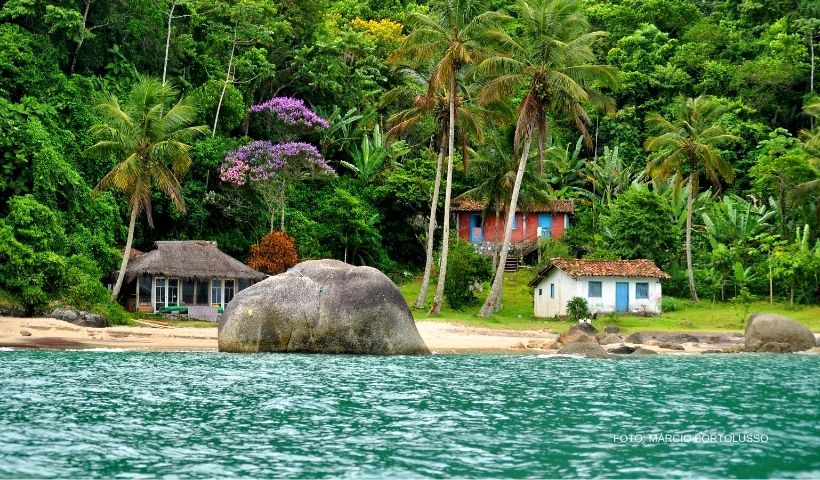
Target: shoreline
{"x": 440, "y": 337}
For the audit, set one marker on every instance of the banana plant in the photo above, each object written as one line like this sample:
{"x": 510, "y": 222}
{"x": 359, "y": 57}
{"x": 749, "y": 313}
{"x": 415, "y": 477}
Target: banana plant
{"x": 369, "y": 159}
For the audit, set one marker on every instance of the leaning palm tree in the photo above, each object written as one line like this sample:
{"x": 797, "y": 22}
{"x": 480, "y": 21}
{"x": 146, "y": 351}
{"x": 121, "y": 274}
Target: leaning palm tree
{"x": 455, "y": 34}
{"x": 149, "y": 136}
{"x": 494, "y": 170}
{"x": 689, "y": 147}
{"x": 470, "y": 121}
{"x": 555, "y": 61}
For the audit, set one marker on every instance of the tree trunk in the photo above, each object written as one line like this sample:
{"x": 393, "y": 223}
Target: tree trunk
{"x": 496, "y": 251}
{"x": 225, "y": 85}
{"x": 771, "y": 285}
{"x": 82, "y": 38}
{"x": 168, "y": 41}
{"x": 448, "y": 187}
{"x": 431, "y": 230}
{"x": 689, "y": 204}
{"x": 782, "y": 200}
{"x": 493, "y": 302}
{"x": 127, "y": 253}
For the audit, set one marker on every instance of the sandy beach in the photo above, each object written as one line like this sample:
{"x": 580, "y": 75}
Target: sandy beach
{"x": 441, "y": 337}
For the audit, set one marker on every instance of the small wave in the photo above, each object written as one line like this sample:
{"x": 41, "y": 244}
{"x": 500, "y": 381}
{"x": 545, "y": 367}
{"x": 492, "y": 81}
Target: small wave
{"x": 8, "y": 349}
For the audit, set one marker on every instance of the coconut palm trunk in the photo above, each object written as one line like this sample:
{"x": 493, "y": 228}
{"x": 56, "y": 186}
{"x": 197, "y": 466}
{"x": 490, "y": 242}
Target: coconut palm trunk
{"x": 496, "y": 252}
{"x": 431, "y": 230}
{"x": 493, "y": 302}
{"x": 689, "y": 205}
{"x": 448, "y": 187}
{"x": 127, "y": 253}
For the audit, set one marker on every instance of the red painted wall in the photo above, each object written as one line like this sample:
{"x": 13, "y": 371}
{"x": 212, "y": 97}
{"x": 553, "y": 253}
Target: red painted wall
{"x": 519, "y": 234}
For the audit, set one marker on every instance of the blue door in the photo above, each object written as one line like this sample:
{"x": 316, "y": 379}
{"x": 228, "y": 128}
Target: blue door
{"x": 545, "y": 224}
{"x": 476, "y": 229}
{"x": 622, "y": 297}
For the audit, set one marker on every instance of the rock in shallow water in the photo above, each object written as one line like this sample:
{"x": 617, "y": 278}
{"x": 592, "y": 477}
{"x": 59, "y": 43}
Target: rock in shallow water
{"x": 321, "y": 306}
{"x": 587, "y": 349}
{"x": 768, "y": 332}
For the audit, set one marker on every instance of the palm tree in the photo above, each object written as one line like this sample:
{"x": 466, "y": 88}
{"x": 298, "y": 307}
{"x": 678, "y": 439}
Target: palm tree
{"x": 494, "y": 171}
{"x": 149, "y": 136}
{"x": 689, "y": 147}
{"x": 555, "y": 61}
{"x": 470, "y": 121}
{"x": 455, "y": 35}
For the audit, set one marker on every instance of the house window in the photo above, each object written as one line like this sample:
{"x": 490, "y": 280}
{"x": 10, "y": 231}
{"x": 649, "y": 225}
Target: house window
{"x": 642, "y": 290}
{"x": 244, "y": 283}
{"x": 515, "y": 222}
{"x": 202, "y": 292}
{"x": 594, "y": 290}
{"x": 188, "y": 291}
{"x": 552, "y": 290}
{"x": 216, "y": 291}
{"x": 173, "y": 291}
{"x": 228, "y": 290}
{"x": 145, "y": 290}
{"x": 159, "y": 293}
{"x": 539, "y": 292}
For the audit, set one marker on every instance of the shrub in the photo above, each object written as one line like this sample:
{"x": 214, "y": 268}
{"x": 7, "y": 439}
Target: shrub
{"x": 274, "y": 254}
{"x": 672, "y": 304}
{"x": 577, "y": 308}
{"x": 466, "y": 268}
{"x": 84, "y": 288}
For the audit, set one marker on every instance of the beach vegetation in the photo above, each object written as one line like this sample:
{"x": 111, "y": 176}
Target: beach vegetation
{"x": 353, "y": 125}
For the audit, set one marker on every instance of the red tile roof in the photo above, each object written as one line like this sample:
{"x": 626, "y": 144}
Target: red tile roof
{"x": 555, "y": 206}
{"x": 603, "y": 268}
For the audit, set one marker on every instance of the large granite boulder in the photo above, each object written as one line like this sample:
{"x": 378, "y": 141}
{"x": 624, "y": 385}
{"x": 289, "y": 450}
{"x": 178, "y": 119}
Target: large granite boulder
{"x": 587, "y": 349}
{"x": 321, "y": 306}
{"x": 769, "y": 332}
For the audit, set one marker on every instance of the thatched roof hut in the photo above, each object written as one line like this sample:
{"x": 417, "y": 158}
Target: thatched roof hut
{"x": 190, "y": 259}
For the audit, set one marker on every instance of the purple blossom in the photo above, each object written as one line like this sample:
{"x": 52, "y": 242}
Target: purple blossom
{"x": 291, "y": 111}
{"x": 262, "y": 160}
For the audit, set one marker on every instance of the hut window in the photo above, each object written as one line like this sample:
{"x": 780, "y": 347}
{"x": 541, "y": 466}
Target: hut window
{"x": 188, "y": 291}
{"x": 159, "y": 293}
{"x": 173, "y": 291}
{"x": 145, "y": 290}
{"x": 216, "y": 291}
{"x": 244, "y": 283}
{"x": 201, "y": 292}
{"x": 642, "y": 290}
{"x": 228, "y": 290}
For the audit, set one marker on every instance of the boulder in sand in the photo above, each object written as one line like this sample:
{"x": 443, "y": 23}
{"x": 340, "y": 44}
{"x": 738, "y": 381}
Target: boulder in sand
{"x": 79, "y": 318}
{"x": 770, "y": 328}
{"x": 636, "y": 337}
{"x": 610, "y": 339}
{"x": 579, "y": 333}
{"x": 321, "y": 306}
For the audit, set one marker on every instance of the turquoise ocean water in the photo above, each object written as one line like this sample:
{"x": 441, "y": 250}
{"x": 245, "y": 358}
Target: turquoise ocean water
{"x": 108, "y": 414}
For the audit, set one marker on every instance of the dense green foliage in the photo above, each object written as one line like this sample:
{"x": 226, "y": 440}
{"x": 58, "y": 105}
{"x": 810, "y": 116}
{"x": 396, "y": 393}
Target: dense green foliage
{"x": 755, "y": 222}
{"x": 468, "y": 271}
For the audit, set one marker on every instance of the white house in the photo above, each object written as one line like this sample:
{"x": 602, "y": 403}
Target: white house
{"x": 629, "y": 286}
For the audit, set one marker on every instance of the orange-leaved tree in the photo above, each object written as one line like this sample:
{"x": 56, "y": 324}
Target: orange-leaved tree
{"x": 274, "y": 254}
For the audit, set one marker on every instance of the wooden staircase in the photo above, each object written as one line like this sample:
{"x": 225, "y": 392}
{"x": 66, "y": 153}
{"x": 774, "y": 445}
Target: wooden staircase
{"x": 512, "y": 264}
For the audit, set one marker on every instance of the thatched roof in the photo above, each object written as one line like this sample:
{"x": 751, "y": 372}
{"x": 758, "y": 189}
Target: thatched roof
{"x": 190, "y": 259}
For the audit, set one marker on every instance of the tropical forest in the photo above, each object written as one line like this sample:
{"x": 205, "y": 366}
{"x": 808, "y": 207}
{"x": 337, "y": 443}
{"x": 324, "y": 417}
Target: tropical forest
{"x": 686, "y": 132}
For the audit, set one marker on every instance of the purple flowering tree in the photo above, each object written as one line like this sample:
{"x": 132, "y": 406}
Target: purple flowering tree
{"x": 271, "y": 169}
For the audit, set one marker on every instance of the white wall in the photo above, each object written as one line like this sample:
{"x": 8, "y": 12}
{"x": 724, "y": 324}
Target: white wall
{"x": 567, "y": 287}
